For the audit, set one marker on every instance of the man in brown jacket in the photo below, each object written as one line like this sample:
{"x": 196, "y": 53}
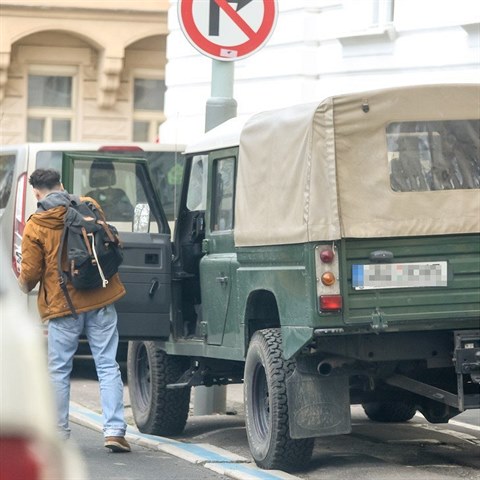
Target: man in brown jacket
{"x": 97, "y": 316}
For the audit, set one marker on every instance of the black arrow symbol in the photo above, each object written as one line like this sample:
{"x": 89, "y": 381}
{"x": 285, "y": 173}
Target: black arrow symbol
{"x": 242, "y": 3}
{"x": 214, "y": 15}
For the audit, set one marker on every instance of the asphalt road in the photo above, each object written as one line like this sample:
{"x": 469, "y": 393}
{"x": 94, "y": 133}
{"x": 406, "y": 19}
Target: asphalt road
{"x": 415, "y": 450}
{"x": 140, "y": 464}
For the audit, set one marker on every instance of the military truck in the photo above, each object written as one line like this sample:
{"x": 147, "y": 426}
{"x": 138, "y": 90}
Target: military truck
{"x": 325, "y": 255}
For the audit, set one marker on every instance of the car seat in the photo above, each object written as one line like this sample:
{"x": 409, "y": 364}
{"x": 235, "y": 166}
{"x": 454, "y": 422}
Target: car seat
{"x": 114, "y": 201}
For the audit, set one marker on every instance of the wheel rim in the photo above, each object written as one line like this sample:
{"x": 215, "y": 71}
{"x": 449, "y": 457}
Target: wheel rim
{"x": 261, "y": 402}
{"x": 143, "y": 379}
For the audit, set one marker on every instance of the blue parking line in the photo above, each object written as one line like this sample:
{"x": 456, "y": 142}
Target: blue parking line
{"x": 252, "y": 472}
{"x": 205, "y": 455}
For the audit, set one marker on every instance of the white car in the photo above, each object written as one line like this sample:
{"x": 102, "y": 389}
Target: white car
{"x": 30, "y": 448}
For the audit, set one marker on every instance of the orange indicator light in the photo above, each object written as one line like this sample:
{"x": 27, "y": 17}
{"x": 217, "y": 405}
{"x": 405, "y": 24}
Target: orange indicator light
{"x": 328, "y": 279}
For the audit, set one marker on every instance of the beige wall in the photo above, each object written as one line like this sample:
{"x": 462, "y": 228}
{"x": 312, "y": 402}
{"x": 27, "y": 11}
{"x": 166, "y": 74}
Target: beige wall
{"x": 136, "y": 5}
{"x": 104, "y": 46}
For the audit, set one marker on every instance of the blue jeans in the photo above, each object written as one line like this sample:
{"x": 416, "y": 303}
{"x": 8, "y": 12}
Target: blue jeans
{"x": 100, "y": 327}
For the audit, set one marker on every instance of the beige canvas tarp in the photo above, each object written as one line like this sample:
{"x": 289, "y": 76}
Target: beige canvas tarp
{"x": 320, "y": 172}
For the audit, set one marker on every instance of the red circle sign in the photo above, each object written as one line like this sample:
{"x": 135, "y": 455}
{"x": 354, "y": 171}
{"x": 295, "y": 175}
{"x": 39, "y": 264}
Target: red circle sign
{"x": 227, "y": 29}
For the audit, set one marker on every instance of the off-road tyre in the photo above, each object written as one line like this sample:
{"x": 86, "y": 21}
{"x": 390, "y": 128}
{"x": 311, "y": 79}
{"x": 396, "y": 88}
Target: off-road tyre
{"x": 390, "y": 412}
{"x": 156, "y": 409}
{"x": 266, "y": 405}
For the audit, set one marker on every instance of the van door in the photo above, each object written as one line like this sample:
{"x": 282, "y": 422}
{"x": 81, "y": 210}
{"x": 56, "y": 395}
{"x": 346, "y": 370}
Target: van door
{"x": 123, "y": 188}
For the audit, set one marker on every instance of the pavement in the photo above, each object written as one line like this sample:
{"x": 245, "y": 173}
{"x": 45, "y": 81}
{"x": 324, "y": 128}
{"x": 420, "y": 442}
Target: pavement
{"x": 218, "y": 442}
{"x": 204, "y": 455}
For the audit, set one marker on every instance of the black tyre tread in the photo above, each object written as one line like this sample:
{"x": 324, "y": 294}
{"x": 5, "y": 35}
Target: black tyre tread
{"x": 390, "y": 412}
{"x": 285, "y": 453}
{"x": 168, "y": 410}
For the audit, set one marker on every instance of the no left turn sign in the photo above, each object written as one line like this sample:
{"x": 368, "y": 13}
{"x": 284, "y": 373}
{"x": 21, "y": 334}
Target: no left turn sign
{"x": 227, "y": 29}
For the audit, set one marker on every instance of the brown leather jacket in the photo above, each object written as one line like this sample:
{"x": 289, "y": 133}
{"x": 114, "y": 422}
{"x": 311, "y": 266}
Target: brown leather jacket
{"x": 40, "y": 245}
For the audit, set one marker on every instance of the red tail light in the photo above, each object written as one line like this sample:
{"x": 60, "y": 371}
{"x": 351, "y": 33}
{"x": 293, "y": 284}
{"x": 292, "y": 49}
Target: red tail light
{"x": 328, "y": 275}
{"x": 330, "y": 303}
{"x": 19, "y": 223}
{"x": 19, "y": 460}
{"x": 327, "y": 255}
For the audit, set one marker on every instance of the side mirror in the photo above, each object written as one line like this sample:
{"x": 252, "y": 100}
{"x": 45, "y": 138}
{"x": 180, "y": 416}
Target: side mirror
{"x": 141, "y": 218}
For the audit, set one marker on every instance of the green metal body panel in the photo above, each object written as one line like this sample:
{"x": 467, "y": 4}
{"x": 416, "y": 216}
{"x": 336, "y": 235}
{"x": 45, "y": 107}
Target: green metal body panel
{"x": 199, "y": 348}
{"x": 231, "y": 276}
{"x": 288, "y": 273}
{"x": 455, "y": 306}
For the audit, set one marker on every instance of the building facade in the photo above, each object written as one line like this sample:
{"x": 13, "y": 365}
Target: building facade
{"x": 97, "y": 70}
{"x": 324, "y": 47}
{"x": 82, "y": 71}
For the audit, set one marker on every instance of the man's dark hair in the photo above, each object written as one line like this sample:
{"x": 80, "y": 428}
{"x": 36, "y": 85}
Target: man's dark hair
{"x": 45, "y": 179}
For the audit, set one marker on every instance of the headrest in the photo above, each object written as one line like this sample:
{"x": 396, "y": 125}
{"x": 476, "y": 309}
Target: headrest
{"x": 102, "y": 174}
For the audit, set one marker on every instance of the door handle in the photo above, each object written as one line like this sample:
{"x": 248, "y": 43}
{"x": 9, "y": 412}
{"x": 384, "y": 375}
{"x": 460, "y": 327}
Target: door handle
{"x": 153, "y": 288}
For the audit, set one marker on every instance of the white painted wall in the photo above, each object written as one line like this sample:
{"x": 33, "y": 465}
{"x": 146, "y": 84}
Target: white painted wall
{"x": 320, "y": 47}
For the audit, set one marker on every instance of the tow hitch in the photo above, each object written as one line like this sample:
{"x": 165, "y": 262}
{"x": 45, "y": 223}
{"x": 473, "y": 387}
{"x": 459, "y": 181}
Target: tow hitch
{"x": 467, "y": 362}
{"x": 466, "y": 359}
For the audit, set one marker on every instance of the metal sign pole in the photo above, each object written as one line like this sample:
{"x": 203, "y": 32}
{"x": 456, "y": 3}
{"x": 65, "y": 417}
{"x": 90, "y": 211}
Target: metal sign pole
{"x": 223, "y": 31}
{"x": 220, "y": 107}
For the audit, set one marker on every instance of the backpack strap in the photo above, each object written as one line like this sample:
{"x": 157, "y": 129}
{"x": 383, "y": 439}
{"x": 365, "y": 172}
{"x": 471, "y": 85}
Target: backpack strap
{"x": 87, "y": 244}
{"x": 97, "y": 263}
{"x": 62, "y": 277}
{"x": 113, "y": 238}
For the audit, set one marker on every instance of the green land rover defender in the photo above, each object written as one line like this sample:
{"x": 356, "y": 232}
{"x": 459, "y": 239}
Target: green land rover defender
{"x": 325, "y": 255}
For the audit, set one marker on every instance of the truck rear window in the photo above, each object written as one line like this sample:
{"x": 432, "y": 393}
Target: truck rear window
{"x": 434, "y": 155}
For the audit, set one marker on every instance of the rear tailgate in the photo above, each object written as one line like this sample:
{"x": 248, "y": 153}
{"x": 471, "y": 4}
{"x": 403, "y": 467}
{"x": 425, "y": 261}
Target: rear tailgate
{"x": 380, "y": 297}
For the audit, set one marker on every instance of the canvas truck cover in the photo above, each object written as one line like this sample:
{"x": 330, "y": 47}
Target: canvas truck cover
{"x": 323, "y": 171}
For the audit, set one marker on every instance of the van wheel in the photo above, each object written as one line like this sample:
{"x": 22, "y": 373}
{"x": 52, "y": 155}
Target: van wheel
{"x": 390, "y": 412}
{"x": 266, "y": 406}
{"x": 156, "y": 410}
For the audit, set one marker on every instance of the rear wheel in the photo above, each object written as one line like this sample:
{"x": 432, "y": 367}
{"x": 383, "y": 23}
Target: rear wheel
{"x": 266, "y": 405}
{"x": 390, "y": 412}
{"x": 156, "y": 409}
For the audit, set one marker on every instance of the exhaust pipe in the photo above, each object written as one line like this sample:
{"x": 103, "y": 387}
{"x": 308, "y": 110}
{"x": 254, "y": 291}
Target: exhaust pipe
{"x": 324, "y": 368}
{"x": 328, "y": 365}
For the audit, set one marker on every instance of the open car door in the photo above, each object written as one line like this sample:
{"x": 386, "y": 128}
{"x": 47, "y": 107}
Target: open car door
{"x": 123, "y": 188}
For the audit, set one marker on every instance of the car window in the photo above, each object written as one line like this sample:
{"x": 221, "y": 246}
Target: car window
{"x": 118, "y": 187}
{"x": 7, "y": 167}
{"x": 434, "y": 155}
{"x": 49, "y": 159}
{"x": 166, "y": 170}
{"x": 223, "y": 194}
{"x": 197, "y": 187}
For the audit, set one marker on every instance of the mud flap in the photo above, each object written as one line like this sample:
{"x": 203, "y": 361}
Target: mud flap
{"x": 318, "y": 406}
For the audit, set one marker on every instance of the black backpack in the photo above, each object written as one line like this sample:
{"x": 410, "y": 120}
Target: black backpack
{"x": 93, "y": 248}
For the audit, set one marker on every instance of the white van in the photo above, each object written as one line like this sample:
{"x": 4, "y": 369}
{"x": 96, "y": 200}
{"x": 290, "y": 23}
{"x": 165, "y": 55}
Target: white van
{"x": 137, "y": 172}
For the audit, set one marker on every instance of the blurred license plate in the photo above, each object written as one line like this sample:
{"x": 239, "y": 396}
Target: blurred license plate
{"x": 399, "y": 275}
